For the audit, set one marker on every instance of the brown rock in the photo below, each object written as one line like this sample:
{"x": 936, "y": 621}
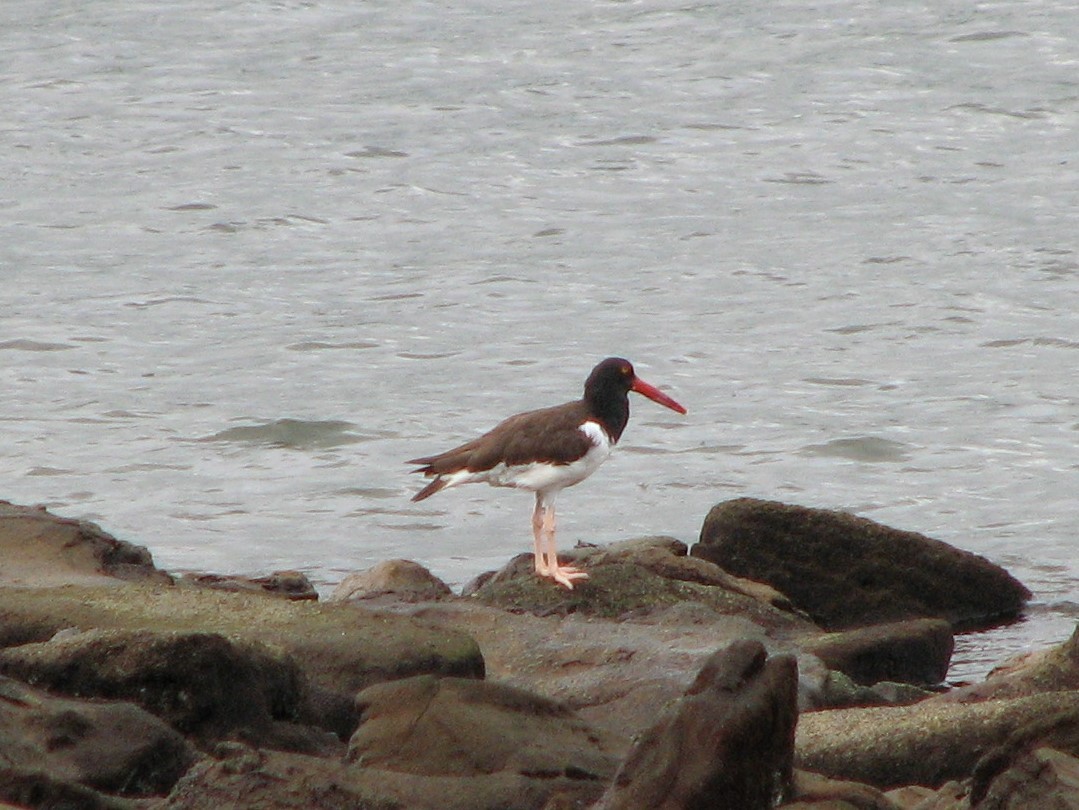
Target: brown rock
{"x": 402, "y": 579}
{"x": 916, "y": 651}
{"x": 812, "y": 791}
{"x": 727, "y": 743}
{"x": 845, "y": 571}
{"x": 1043, "y": 778}
{"x": 285, "y": 584}
{"x": 929, "y": 743}
{"x": 1052, "y": 670}
{"x": 633, "y": 579}
{"x": 39, "y": 549}
{"x": 106, "y": 746}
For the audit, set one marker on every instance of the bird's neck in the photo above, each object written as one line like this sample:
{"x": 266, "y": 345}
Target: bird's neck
{"x": 612, "y": 414}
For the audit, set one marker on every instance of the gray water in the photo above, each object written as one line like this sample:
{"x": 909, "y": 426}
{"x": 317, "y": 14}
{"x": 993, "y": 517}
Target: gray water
{"x": 253, "y": 255}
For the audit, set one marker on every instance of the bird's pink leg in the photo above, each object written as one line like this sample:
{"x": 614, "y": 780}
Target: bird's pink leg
{"x": 542, "y": 567}
{"x": 564, "y": 575}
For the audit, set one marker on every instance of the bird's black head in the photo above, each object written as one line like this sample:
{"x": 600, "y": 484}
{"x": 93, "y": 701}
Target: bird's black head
{"x": 613, "y": 377}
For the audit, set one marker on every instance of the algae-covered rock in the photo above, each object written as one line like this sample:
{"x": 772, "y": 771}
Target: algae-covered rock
{"x": 106, "y": 746}
{"x": 338, "y": 647}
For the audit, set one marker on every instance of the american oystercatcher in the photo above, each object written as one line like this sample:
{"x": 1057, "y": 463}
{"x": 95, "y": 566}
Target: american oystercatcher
{"x": 547, "y": 450}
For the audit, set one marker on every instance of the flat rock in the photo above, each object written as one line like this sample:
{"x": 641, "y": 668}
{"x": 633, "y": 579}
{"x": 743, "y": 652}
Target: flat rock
{"x": 285, "y": 584}
{"x": 41, "y": 549}
{"x": 728, "y": 742}
{"x": 845, "y": 571}
{"x": 338, "y": 647}
{"x": 104, "y": 746}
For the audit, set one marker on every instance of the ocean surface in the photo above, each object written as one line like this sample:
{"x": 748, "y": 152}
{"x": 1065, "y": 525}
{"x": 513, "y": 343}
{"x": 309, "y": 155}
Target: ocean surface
{"x": 254, "y": 254}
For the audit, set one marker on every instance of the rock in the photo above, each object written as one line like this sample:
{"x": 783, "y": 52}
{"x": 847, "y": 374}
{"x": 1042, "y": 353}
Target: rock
{"x": 916, "y": 651}
{"x": 105, "y": 746}
{"x": 39, "y": 548}
{"x": 1043, "y": 778}
{"x": 202, "y": 684}
{"x": 632, "y": 579}
{"x": 812, "y": 791}
{"x": 403, "y": 579}
{"x": 339, "y": 648}
{"x": 455, "y": 727}
{"x": 40, "y": 791}
{"x": 624, "y": 643}
{"x": 286, "y": 584}
{"x": 727, "y": 743}
{"x": 1052, "y": 670}
{"x": 273, "y": 780}
{"x": 928, "y": 743}
{"x": 823, "y": 688}
{"x": 846, "y": 571}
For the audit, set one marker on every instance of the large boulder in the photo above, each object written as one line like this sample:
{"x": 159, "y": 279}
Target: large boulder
{"x": 727, "y": 743}
{"x": 83, "y": 746}
{"x": 846, "y": 571}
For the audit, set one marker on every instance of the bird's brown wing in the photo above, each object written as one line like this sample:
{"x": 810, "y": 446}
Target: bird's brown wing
{"x": 548, "y": 434}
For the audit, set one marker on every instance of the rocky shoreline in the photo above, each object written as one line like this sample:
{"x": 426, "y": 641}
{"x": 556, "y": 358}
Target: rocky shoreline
{"x": 792, "y": 657}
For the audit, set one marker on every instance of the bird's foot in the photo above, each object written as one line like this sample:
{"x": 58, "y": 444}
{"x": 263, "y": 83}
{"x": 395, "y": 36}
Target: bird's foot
{"x": 565, "y": 575}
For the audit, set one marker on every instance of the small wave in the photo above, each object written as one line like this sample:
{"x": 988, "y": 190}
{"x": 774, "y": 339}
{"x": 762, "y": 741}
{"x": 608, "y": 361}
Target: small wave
{"x": 296, "y": 434}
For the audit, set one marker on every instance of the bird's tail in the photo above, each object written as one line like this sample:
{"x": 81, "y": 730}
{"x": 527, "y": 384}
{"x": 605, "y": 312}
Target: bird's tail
{"x": 430, "y": 489}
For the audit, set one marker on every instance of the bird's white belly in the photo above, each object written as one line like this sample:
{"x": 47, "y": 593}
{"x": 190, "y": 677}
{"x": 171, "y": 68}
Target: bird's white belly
{"x": 543, "y": 476}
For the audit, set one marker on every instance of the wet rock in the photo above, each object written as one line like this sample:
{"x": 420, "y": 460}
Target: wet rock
{"x": 846, "y": 571}
{"x": 402, "y": 579}
{"x": 727, "y": 743}
{"x": 454, "y": 727}
{"x": 286, "y": 584}
{"x": 39, "y": 548}
{"x": 928, "y": 743}
{"x": 107, "y": 746}
{"x": 202, "y": 684}
{"x": 916, "y": 651}
{"x": 1043, "y": 778}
